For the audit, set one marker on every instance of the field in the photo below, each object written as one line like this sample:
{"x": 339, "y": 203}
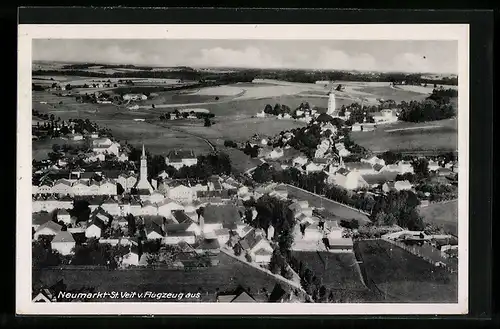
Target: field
{"x": 240, "y": 162}
{"x": 398, "y": 95}
{"x": 234, "y": 107}
{"x": 227, "y": 276}
{"x": 220, "y": 91}
{"x": 445, "y": 214}
{"x": 403, "y": 277}
{"x": 337, "y": 210}
{"x": 397, "y": 137}
{"x": 157, "y": 140}
{"x": 339, "y": 272}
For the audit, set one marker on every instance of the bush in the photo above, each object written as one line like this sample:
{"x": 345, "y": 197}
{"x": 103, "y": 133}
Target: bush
{"x": 229, "y": 143}
{"x": 248, "y": 257}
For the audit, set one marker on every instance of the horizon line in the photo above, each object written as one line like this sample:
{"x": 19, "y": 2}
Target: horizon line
{"x": 239, "y": 68}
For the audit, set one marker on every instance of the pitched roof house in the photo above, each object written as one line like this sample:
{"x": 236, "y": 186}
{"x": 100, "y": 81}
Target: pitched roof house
{"x": 63, "y": 242}
{"x": 48, "y": 228}
{"x": 40, "y": 218}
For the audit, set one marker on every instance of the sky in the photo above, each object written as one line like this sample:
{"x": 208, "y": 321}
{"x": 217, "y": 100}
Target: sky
{"x": 362, "y": 55}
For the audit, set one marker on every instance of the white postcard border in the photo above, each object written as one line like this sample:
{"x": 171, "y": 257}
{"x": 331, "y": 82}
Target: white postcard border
{"x": 24, "y": 304}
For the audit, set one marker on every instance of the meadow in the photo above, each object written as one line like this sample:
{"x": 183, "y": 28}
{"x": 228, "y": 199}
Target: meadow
{"x": 442, "y": 214}
{"x": 400, "y": 276}
{"x": 388, "y": 92}
{"x": 227, "y": 276}
{"x": 394, "y": 137}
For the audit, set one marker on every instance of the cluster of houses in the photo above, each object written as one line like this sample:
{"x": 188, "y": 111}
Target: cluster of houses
{"x": 200, "y": 215}
{"x": 317, "y": 233}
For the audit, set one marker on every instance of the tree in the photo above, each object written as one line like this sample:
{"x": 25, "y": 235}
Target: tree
{"x": 207, "y": 123}
{"x": 152, "y": 259}
{"x": 131, "y": 224}
{"x": 276, "y": 263}
{"x": 237, "y": 249}
{"x": 263, "y": 173}
{"x": 339, "y": 88}
{"x": 421, "y": 167}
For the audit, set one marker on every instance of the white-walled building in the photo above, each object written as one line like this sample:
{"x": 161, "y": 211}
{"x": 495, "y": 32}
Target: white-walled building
{"x": 180, "y": 158}
{"x": 63, "y": 242}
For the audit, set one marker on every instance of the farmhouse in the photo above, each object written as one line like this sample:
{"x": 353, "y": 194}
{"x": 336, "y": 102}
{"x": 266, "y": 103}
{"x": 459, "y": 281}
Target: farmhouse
{"x": 132, "y": 258}
{"x": 362, "y": 167}
{"x": 329, "y": 127}
{"x": 313, "y": 167}
{"x": 385, "y": 116}
{"x": 63, "y": 242}
{"x": 180, "y": 158}
{"x": 114, "y": 149}
{"x": 257, "y": 246}
{"x": 276, "y": 153}
{"x": 433, "y": 165}
{"x": 134, "y": 97}
{"x": 95, "y": 228}
{"x": 401, "y": 167}
{"x": 209, "y": 246}
{"x": 63, "y": 216}
{"x": 350, "y": 180}
{"x": 127, "y": 181}
{"x": 300, "y": 161}
{"x": 374, "y": 160}
{"x": 167, "y": 206}
{"x": 153, "y": 227}
{"x": 397, "y": 186}
{"x": 50, "y": 228}
{"x": 219, "y": 217}
{"x": 181, "y": 193}
{"x": 50, "y": 203}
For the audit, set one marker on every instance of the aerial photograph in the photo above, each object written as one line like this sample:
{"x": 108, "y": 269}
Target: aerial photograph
{"x": 236, "y": 170}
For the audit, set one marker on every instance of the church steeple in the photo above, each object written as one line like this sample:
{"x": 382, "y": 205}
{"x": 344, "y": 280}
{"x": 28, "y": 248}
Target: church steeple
{"x": 143, "y": 183}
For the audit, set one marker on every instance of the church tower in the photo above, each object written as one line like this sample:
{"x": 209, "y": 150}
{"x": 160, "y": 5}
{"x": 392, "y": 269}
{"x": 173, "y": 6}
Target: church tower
{"x": 143, "y": 183}
{"x": 144, "y": 165}
{"x": 331, "y": 102}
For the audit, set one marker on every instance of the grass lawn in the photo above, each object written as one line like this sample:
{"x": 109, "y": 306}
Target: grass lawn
{"x": 225, "y": 277}
{"x": 240, "y": 162}
{"x": 337, "y": 210}
{"x": 443, "y": 137}
{"x": 442, "y": 214}
{"x": 404, "y": 277}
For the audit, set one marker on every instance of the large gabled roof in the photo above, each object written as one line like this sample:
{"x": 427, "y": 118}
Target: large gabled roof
{"x": 225, "y": 214}
{"x": 63, "y": 236}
